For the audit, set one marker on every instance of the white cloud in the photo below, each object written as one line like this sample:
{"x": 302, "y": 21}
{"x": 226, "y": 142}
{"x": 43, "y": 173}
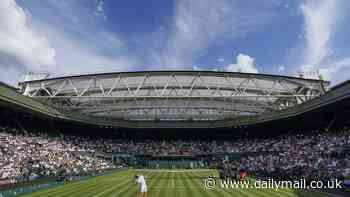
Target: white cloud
{"x": 320, "y": 21}
{"x": 337, "y": 71}
{"x": 87, "y": 54}
{"x": 244, "y": 63}
{"x": 221, "y": 60}
{"x": 281, "y": 69}
{"x": 20, "y": 45}
{"x": 100, "y": 9}
{"x": 195, "y": 67}
{"x": 100, "y": 6}
{"x": 70, "y": 42}
{"x": 199, "y": 24}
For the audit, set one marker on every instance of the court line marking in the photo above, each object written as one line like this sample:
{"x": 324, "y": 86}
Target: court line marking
{"x": 172, "y": 181}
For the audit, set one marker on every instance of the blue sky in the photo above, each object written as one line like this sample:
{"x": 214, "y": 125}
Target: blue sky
{"x": 86, "y": 36}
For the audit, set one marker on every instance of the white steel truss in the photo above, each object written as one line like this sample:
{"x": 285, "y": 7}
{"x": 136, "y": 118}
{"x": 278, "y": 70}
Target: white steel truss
{"x": 177, "y": 95}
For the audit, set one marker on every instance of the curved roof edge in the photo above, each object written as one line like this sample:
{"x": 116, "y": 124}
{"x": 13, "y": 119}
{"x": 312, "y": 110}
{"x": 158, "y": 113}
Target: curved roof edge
{"x": 341, "y": 92}
{"x": 179, "y": 71}
{"x": 344, "y": 83}
{"x": 9, "y": 86}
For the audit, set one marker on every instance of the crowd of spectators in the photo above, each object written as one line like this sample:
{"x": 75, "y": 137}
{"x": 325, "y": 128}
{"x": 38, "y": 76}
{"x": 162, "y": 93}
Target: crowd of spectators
{"x": 292, "y": 155}
{"x": 313, "y": 157}
{"x": 28, "y": 156}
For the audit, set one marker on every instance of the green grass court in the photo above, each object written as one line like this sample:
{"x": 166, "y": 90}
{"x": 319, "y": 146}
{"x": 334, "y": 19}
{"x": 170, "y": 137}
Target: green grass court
{"x": 160, "y": 183}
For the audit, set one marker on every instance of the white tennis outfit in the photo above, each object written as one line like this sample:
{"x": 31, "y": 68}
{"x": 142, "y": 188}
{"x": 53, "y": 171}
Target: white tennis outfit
{"x": 142, "y": 182}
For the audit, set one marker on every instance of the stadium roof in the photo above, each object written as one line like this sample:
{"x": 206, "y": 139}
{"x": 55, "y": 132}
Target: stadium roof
{"x": 340, "y": 93}
{"x": 172, "y": 95}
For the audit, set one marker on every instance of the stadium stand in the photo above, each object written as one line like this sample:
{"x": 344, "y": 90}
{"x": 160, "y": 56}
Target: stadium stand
{"x": 310, "y": 140}
{"x": 312, "y": 155}
{"x": 33, "y": 155}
